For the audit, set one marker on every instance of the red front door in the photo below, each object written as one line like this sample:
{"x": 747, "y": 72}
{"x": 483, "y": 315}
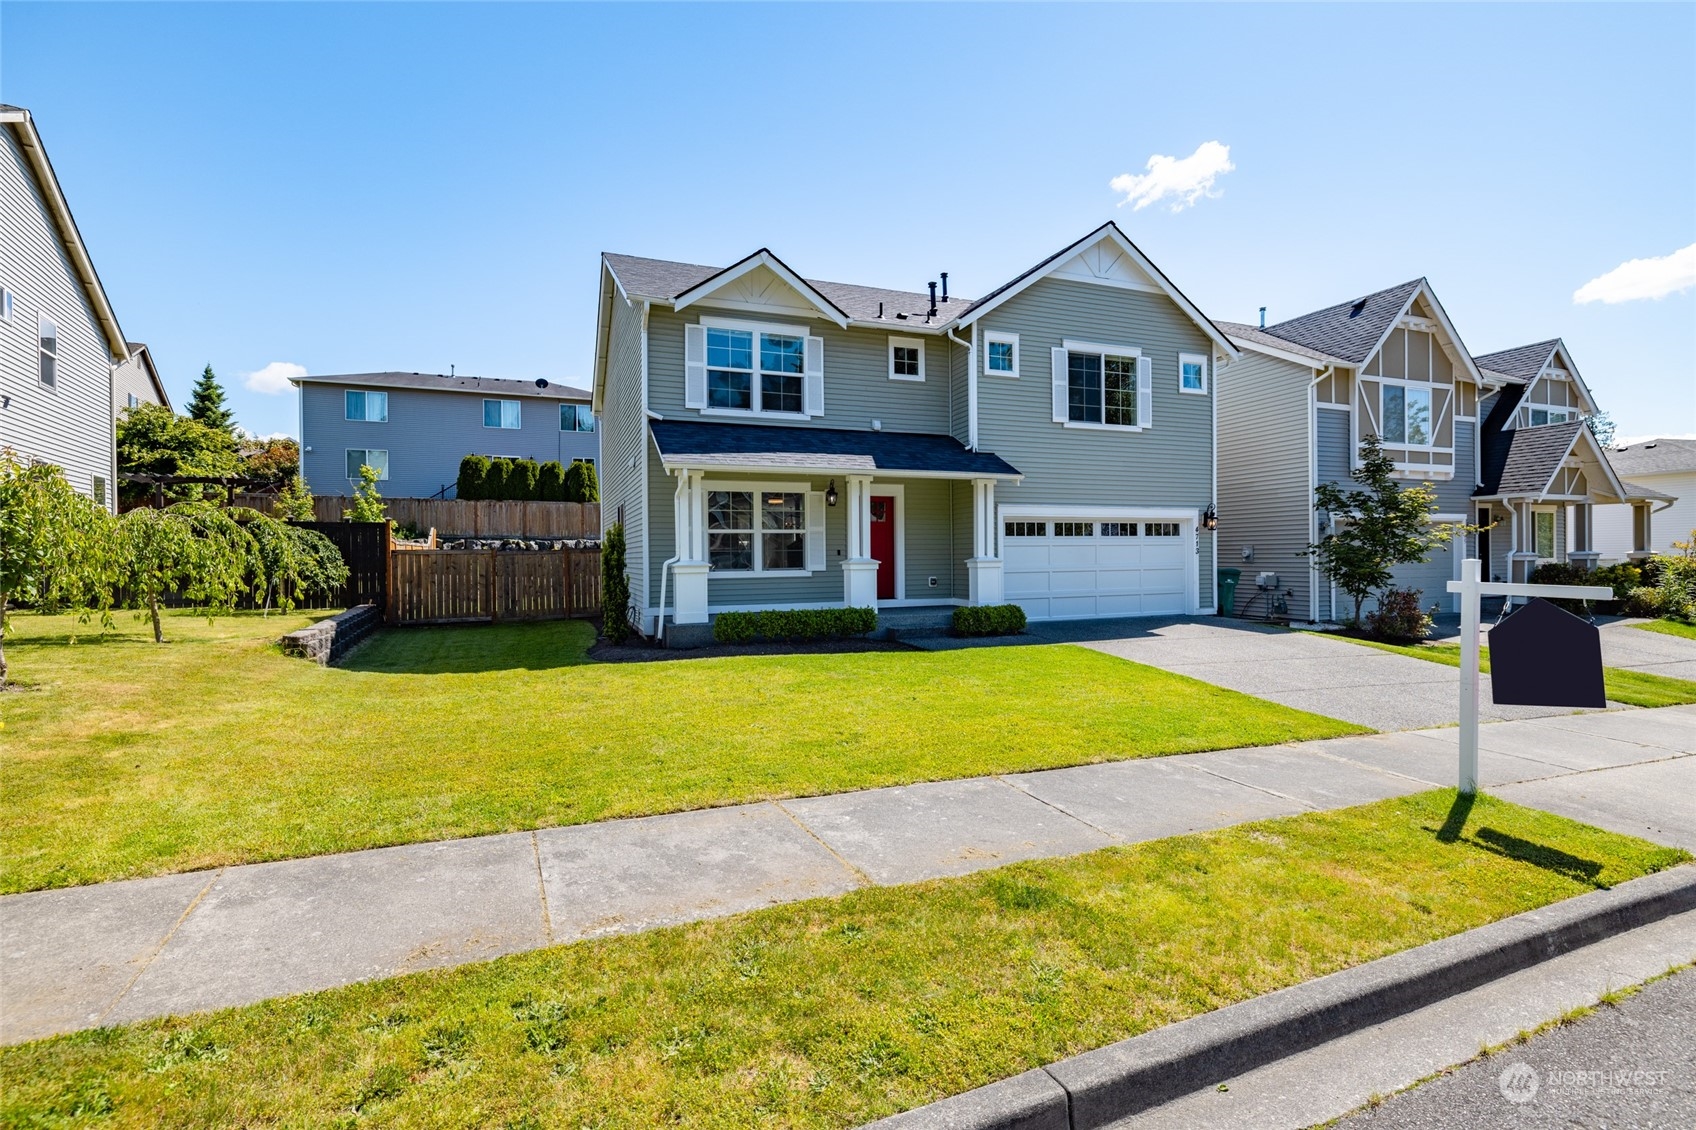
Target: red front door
{"x": 883, "y": 544}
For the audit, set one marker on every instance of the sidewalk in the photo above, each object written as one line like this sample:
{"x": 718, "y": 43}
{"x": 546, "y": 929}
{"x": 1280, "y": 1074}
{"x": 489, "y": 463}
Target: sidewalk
{"x": 119, "y": 952}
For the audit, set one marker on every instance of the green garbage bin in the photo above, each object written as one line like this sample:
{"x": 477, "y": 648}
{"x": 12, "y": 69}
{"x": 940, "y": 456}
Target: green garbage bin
{"x": 1228, "y": 579}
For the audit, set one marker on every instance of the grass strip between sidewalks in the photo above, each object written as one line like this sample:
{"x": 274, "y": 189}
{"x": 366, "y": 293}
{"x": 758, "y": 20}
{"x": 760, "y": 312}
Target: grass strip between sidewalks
{"x": 836, "y": 1011}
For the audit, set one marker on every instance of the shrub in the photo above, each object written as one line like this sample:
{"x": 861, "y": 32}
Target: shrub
{"x": 523, "y": 481}
{"x": 989, "y": 620}
{"x": 495, "y": 483}
{"x": 581, "y": 483}
{"x": 1398, "y": 617}
{"x": 550, "y": 482}
{"x": 473, "y": 476}
{"x": 1642, "y": 601}
{"x": 367, "y": 500}
{"x": 1676, "y": 580}
{"x": 793, "y": 624}
{"x": 615, "y": 586}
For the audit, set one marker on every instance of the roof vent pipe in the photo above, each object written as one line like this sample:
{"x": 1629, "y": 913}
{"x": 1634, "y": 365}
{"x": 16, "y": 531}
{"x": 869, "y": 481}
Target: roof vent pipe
{"x": 1263, "y": 317}
{"x": 945, "y": 286}
{"x": 880, "y": 309}
{"x": 932, "y": 312}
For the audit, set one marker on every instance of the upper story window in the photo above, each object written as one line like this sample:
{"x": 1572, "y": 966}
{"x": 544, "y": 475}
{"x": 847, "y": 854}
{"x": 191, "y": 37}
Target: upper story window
{"x": 49, "y": 352}
{"x": 133, "y": 400}
{"x": 744, "y": 367}
{"x": 371, "y": 407}
{"x": 502, "y": 414}
{"x": 1101, "y": 388}
{"x": 1541, "y": 416}
{"x": 576, "y": 418}
{"x": 1192, "y": 373}
{"x": 906, "y": 359}
{"x": 1001, "y": 354}
{"x": 1407, "y": 415}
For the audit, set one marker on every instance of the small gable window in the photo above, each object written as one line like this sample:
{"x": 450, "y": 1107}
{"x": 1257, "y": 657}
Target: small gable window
{"x": 906, "y": 359}
{"x": 503, "y": 414}
{"x": 1001, "y": 354}
{"x": 1192, "y": 373}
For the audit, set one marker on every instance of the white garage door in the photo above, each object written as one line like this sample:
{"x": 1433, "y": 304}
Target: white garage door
{"x": 1060, "y": 569}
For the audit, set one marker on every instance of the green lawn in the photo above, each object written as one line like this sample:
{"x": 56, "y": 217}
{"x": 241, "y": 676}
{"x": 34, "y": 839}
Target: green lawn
{"x": 835, "y": 1011}
{"x": 131, "y": 758}
{"x": 1634, "y": 688}
{"x": 1669, "y": 628}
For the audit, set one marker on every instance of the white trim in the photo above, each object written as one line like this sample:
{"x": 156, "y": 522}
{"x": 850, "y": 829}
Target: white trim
{"x": 1112, "y": 513}
{"x": 761, "y": 258}
{"x": 1314, "y": 363}
{"x": 1185, "y": 359}
{"x": 1069, "y": 346}
{"x": 1455, "y": 344}
{"x": 1000, "y": 337}
{"x": 689, "y": 462}
{"x": 896, "y": 342}
{"x": 1086, "y": 425}
{"x": 1335, "y": 407}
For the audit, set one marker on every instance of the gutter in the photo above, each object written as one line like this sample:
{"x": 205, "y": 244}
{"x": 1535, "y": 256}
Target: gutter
{"x": 971, "y": 386}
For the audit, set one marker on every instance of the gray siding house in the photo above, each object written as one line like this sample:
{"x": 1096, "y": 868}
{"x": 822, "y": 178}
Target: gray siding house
{"x": 136, "y": 382}
{"x": 59, "y": 338}
{"x": 774, "y": 441}
{"x": 1294, "y": 410}
{"x": 414, "y": 428}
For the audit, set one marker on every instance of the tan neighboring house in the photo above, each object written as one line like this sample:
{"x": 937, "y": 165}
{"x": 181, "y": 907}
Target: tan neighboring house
{"x": 136, "y": 382}
{"x": 1665, "y": 468}
{"x": 59, "y": 339}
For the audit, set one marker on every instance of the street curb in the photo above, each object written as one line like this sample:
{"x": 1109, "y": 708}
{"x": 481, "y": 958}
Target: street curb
{"x": 1098, "y": 1087}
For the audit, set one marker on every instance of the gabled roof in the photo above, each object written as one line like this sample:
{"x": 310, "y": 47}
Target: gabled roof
{"x": 1522, "y": 362}
{"x": 1252, "y": 337}
{"x": 445, "y": 382}
{"x": 768, "y": 447}
{"x": 1350, "y": 331}
{"x": 666, "y": 280}
{"x": 1522, "y": 462}
{"x": 761, "y": 258}
{"x": 1110, "y": 231}
{"x": 1655, "y": 457}
{"x": 22, "y": 126}
{"x": 140, "y": 354}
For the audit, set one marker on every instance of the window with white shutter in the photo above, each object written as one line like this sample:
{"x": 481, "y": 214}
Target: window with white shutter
{"x": 815, "y": 530}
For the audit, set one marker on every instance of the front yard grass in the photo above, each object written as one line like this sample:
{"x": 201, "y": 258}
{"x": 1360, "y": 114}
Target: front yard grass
{"x": 1669, "y": 628}
{"x": 130, "y": 758}
{"x": 835, "y": 1011}
{"x": 1634, "y": 688}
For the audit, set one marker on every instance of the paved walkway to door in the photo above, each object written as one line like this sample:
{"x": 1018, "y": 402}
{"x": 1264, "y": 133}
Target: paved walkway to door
{"x": 118, "y": 952}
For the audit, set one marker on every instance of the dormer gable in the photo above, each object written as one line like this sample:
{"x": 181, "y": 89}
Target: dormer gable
{"x": 762, "y": 284}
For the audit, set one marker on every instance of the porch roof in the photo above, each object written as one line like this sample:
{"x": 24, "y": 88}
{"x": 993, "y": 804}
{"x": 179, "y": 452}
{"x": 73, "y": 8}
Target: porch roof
{"x": 1522, "y": 462}
{"x": 689, "y": 443}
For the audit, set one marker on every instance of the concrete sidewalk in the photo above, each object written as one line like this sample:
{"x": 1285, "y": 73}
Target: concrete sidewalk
{"x": 119, "y": 952}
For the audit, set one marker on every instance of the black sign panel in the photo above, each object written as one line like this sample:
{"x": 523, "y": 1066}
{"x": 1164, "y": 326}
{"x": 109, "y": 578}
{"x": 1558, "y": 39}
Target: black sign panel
{"x": 1543, "y": 655}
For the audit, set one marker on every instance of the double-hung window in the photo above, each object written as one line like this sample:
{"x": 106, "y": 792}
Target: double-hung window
{"x": 374, "y": 458}
{"x": 757, "y": 531}
{"x": 1101, "y": 388}
{"x": 371, "y": 407}
{"x": 576, "y": 418}
{"x": 48, "y": 337}
{"x": 1407, "y": 415}
{"x": 1001, "y": 354}
{"x": 502, "y": 414}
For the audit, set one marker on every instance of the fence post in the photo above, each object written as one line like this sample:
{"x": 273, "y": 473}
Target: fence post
{"x": 494, "y": 586}
{"x": 566, "y": 571}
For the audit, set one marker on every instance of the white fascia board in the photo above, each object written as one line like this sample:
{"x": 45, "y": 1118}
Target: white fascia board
{"x": 1295, "y": 358}
{"x": 762, "y": 258}
{"x": 1454, "y": 337}
{"x": 1154, "y": 513}
{"x": 688, "y": 463}
{"x": 603, "y": 337}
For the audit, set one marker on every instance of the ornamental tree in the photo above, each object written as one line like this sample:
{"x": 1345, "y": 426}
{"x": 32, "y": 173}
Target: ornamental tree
{"x": 1376, "y": 527}
{"x": 194, "y": 549}
{"x": 367, "y": 503}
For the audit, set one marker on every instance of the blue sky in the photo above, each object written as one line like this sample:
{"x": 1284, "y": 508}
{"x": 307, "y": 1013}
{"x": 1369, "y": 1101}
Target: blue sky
{"x": 350, "y": 188}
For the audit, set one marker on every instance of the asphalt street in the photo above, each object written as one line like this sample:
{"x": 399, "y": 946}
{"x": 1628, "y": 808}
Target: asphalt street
{"x": 1630, "y": 1065}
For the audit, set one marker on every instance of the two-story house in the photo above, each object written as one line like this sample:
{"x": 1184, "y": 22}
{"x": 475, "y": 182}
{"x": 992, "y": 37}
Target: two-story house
{"x": 1499, "y": 438}
{"x": 59, "y": 338}
{"x": 136, "y": 382}
{"x": 414, "y": 428}
{"x": 773, "y": 441}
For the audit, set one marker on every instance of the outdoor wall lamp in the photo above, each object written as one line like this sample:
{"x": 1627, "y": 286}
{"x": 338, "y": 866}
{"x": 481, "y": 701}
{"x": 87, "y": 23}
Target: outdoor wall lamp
{"x": 830, "y": 494}
{"x": 1210, "y": 518}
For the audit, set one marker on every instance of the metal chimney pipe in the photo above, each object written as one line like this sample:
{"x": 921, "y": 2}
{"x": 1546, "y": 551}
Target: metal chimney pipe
{"x": 1263, "y": 317}
{"x": 932, "y": 313}
{"x": 945, "y": 286}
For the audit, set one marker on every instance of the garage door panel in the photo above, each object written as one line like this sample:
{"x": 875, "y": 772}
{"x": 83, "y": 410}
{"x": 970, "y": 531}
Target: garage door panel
{"x": 1073, "y": 580}
{"x": 1119, "y": 554}
{"x": 1071, "y": 607}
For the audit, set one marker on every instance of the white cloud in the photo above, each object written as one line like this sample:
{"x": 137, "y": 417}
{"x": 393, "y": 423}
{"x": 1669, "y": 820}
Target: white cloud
{"x": 1642, "y": 278}
{"x": 1184, "y": 180}
{"x": 273, "y": 378}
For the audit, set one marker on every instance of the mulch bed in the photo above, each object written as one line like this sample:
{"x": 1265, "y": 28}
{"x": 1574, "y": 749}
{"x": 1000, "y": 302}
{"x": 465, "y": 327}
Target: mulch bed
{"x": 645, "y": 651}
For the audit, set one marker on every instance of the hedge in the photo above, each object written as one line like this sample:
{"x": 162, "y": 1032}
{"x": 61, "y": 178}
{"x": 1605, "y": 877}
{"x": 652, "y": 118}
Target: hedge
{"x": 550, "y": 482}
{"x": 989, "y": 620}
{"x": 473, "y": 474}
{"x": 793, "y": 625}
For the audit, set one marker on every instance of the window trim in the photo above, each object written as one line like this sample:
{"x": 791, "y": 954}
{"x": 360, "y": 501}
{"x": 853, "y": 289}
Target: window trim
{"x": 755, "y": 488}
{"x": 1001, "y": 338}
{"x": 1430, "y": 388}
{"x": 43, "y": 353}
{"x": 757, "y": 328}
{"x": 906, "y": 343}
{"x": 365, "y": 405}
{"x": 503, "y": 400}
{"x": 1104, "y": 351}
{"x": 382, "y": 478}
{"x": 1185, "y": 359}
{"x": 1554, "y": 532}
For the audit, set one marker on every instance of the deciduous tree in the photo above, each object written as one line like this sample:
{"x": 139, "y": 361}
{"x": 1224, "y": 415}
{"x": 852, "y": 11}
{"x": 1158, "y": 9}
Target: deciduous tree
{"x": 54, "y": 542}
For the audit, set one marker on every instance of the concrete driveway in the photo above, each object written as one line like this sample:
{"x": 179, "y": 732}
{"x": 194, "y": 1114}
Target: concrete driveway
{"x": 1655, "y": 652}
{"x": 1300, "y": 669}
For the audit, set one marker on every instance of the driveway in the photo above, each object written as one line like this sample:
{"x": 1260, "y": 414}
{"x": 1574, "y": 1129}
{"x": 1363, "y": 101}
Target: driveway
{"x": 1626, "y": 646}
{"x": 1300, "y": 669}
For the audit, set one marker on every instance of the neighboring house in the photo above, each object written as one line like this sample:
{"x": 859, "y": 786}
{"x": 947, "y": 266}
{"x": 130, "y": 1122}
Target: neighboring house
{"x": 59, "y": 339}
{"x": 1664, "y": 467}
{"x": 414, "y": 428}
{"x": 136, "y": 382}
{"x": 780, "y": 442}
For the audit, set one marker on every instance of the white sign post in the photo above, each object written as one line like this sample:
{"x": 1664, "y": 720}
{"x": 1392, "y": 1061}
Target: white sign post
{"x": 1471, "y": 589}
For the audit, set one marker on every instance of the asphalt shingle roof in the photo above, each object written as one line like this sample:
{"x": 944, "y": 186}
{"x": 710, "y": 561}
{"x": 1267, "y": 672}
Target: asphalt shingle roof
{"x": 665, "y": 279}
{"x": 1654, "y": 457}
{"x": 765, "y": 445}
{"x": 495, "y": 386}
{"x": 1348, "y": 331}
{"x": 1522, "y": 362}
{"x": 1241, "y": 334}
{"x": 1523, "y": 460}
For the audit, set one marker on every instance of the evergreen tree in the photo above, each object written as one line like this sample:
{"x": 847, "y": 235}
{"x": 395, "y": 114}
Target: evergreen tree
{"x": 206, "y": 403}
{"x": 550, "y": 482}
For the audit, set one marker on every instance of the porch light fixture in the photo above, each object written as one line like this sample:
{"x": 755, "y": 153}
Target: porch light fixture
{"x": 1210, "y": 518}
{"x": 830, "y": 494}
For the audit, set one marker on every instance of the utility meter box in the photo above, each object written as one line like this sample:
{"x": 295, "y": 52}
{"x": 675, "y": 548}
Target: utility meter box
{"x": 1266, "y": 580}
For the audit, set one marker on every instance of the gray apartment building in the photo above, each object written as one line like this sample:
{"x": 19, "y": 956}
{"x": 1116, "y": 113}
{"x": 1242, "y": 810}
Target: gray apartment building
{"x": 414, "y": 428}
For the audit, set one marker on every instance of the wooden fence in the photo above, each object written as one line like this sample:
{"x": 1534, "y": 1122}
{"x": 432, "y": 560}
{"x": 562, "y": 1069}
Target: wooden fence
{"x": 365, "y": 551}
{"x": 452, "y": 586}
{"x": 460, "y": 518}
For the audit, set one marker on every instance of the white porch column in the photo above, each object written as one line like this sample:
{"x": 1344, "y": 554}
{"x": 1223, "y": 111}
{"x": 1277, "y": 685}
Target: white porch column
{"x": 859, "y": 569}
{"x": 690, "y": 572}
{"x": 983, "y": 568}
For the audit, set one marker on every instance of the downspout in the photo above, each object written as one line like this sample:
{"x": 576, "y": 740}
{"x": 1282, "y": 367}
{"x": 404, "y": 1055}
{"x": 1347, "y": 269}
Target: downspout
{"x": 1312, "y": 481}
{"x": 676, "y": 501}
{"x": 971, "y": 386}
